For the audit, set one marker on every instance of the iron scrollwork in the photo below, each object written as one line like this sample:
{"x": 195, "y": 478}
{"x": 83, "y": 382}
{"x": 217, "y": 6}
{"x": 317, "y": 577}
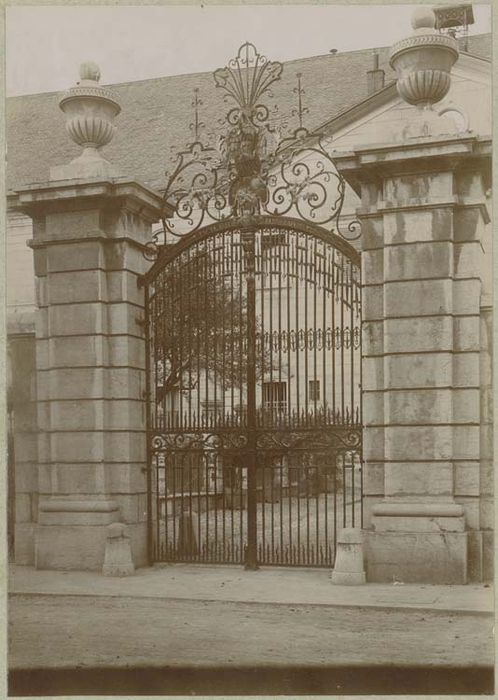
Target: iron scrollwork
{"x": 249, "y": 172}
{"x": 205, "y": 441}
{"x": 333, "y": 439}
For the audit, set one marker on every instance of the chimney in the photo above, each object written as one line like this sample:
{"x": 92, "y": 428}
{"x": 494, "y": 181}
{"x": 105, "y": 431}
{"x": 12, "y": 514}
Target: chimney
{"x": 375, "y": 77}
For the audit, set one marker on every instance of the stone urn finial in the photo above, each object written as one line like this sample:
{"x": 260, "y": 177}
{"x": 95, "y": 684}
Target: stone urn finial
{"x": 423, "y": 61}
{"x": 90, "y": 110}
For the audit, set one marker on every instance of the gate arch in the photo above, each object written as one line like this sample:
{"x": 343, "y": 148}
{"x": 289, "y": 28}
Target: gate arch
{"x": 253, "y": 394}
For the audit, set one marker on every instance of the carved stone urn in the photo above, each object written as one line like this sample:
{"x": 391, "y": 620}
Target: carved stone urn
{"x": 423, "y": 61}
{"x": 90, "y": 111}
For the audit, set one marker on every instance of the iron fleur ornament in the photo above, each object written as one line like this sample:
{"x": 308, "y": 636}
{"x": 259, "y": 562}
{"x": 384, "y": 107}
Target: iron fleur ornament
{"x": 249, "y": 171}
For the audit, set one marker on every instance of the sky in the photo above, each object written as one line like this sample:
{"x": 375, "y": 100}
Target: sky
{"x": 45, "y": 45}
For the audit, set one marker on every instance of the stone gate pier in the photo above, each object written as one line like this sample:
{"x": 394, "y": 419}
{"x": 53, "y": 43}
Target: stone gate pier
{"x": 89, "y": 229}
{"x": 426, "y": 358}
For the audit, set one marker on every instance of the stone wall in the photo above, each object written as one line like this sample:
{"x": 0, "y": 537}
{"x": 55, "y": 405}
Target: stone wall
{"x": 23, "y": 457}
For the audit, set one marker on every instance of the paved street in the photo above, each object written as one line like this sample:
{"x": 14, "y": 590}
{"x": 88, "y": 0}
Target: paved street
{"x": 185, "y": 629}
{"x": 77, "y": 631}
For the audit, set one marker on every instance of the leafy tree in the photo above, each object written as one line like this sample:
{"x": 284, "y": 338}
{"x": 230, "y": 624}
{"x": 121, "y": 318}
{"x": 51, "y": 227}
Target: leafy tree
{"x": 201, "y": 325}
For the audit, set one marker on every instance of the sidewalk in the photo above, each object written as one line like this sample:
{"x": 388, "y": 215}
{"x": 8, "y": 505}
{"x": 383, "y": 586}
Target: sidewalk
{"x": 272, "y": 586}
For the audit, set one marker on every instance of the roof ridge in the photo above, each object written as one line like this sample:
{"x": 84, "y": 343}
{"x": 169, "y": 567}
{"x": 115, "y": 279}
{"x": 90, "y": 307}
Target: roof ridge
{"x": 202, "y": 73}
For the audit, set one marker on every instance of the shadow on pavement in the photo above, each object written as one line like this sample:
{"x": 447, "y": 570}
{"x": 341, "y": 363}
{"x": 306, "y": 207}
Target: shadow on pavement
{"x": 361, "y": 680}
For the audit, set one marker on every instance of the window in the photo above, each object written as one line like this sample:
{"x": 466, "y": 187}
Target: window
{"x": 275, "y": 395}
{"x": 314, "y": 390}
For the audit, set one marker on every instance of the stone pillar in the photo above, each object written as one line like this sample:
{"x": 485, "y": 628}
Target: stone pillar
{"x": 90, "y": 227}
{"x": 90, "y": 357}
{"x": 423, "y": 212}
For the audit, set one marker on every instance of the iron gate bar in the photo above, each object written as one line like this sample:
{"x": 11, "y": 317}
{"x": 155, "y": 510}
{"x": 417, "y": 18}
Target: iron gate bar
{"x": 248, "y": 245}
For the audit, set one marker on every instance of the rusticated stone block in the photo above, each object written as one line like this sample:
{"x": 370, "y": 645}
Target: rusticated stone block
{"x": 372, "y": 270}
{"x": 373, "y": 373}
{"x": 466, "y": 333}
{"x": 487, "y": 519}
{"x": 24, "y": 511}
{"x": 85, "y": 351}
{"x": 467, "y": 478}
{"x": 372, "y": 232}
{"x": 126, "y": 350}
{"x": 419, "y": 479}
{"x": 466, "y": 369}
{"x": 77, "y": 319}
{"x": 373, "y": 407}
{"x": 24, "y": 544}
{"x": 124, "y": 318}
{"x": 404, "y": 187}
{"x": 64, "y": 225}
{"x": 76, "y": 287}
{"x": 418, "y": 298}
{"x": 76, "y": 255}
{"x": 416, "y": 557}
{"x": 373, "y": 444}
{"x": 400, "y": 228}
{"x": 373, "y": 304}
{"x": 373, "y": 337}
{"x": 418, "y": 334}
{"x": 373, "y": 478}
{"x": 428, "y": 442}
{"x": 122, "y": 286}
{"x": 466, "y": 442}
{"x": 468, "y": 259}
{"x": 418, "y": 261}
{"x": 466, "y": 296}
{"x": 415, "y": 371}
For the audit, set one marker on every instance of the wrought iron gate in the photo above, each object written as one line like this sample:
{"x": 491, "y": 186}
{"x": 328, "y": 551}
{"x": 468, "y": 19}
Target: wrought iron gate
{"x": 253, "y": 343}
{"x": 254, "y": 394}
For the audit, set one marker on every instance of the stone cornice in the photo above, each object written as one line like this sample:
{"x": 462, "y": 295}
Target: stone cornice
{"x": 373, "y": 163}
{"x": 41, "y": 198}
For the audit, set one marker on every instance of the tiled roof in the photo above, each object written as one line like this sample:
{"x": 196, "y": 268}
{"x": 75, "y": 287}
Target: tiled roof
{"x": 156, "y": 113}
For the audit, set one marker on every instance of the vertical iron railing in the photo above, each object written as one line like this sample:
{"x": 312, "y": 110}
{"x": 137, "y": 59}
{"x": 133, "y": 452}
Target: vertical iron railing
{"x": 254, "y": 397}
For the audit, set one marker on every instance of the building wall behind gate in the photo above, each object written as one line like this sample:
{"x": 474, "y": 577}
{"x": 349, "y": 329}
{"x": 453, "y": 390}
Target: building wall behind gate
{"x": 23, "y": 458}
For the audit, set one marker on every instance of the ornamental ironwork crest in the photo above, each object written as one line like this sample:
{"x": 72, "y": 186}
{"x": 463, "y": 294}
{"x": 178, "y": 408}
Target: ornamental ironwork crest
{"x": 250, "y": 170}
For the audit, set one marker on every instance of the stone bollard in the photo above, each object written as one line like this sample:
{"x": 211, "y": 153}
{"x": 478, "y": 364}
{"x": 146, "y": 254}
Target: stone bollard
{"x": 348, "y": 569}
{"x": 117, "y": 559}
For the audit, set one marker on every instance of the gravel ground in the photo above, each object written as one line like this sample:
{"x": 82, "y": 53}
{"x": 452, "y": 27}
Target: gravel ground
{"x": 91, "y": 632}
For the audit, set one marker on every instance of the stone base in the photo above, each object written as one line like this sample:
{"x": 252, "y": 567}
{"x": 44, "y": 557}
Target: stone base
{"x": 70, "y": 548}
{"x": 416, "y": 557}
{"x": 85, "y": 167}
{"x": 71, "y": 534}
